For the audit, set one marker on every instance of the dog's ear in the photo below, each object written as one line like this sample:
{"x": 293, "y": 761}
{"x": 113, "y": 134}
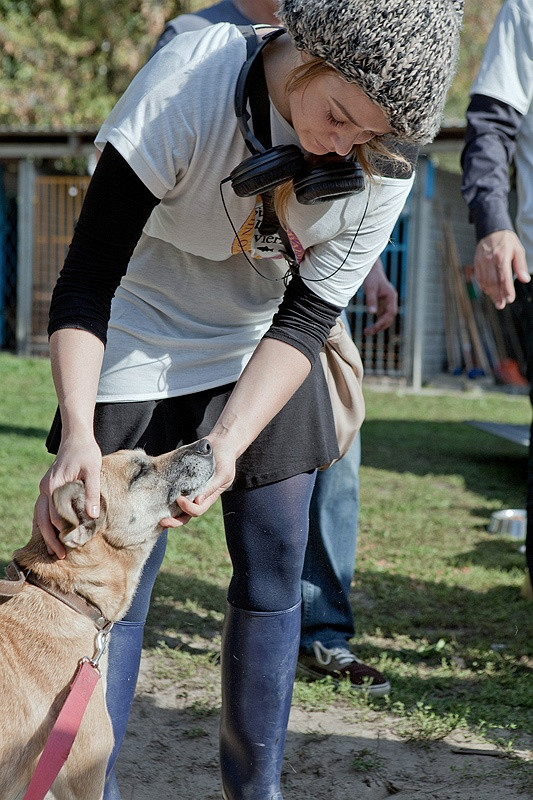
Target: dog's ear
{"x": 78, "y": 527}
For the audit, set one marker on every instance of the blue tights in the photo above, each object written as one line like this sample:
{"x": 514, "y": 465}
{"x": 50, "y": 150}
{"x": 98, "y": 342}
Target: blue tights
{"x": 266, "y": 532}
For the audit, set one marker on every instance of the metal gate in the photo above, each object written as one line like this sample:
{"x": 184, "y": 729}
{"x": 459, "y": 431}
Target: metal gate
{"x": 57, "y": 205}
{"x": 382, "y": 354}
{"x": 8, "y": 265}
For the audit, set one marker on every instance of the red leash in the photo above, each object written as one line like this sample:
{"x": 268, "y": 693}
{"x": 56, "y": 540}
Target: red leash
{"x": 62, "y": 735}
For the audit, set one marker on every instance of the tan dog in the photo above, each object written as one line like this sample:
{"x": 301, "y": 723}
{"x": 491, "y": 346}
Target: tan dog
{"x": 42, "y": 639}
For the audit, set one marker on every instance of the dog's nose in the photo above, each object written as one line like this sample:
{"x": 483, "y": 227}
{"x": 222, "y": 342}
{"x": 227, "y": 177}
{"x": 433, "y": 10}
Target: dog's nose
{"x": 203, "y": 447}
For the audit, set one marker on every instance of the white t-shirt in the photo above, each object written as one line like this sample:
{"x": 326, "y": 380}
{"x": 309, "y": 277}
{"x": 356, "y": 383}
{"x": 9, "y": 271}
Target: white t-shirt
{"x": 506, "y": 73}
{"x": 191, "y": 309}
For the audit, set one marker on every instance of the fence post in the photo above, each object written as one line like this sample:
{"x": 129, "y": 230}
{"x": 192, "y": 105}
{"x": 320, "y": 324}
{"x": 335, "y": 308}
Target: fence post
{"x": 25, "y": 212}
{"x": 417, "y": 283}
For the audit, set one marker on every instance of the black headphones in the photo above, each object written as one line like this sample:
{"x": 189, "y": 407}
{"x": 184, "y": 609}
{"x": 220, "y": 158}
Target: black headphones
{"x": 329, "y": 178}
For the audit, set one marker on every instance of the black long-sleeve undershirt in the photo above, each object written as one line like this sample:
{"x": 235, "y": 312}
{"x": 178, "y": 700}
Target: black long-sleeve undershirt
{"x": 291, "y": 323}
{"x": 114, "y": 213}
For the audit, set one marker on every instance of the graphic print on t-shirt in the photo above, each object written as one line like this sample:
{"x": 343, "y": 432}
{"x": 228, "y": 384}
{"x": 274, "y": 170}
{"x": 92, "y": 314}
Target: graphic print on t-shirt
{"x": 260, "y": 245}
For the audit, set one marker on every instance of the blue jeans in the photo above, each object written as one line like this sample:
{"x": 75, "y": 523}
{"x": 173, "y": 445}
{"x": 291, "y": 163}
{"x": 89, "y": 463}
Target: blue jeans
{"x": 330, "y": 554}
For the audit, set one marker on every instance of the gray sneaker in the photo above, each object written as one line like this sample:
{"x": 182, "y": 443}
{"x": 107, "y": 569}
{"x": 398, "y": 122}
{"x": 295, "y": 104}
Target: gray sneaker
{"x": 340, "y": 663}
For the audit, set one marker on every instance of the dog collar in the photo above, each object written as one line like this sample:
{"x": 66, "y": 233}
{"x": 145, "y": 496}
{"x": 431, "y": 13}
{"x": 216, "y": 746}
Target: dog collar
{"x": 16, "y": 577}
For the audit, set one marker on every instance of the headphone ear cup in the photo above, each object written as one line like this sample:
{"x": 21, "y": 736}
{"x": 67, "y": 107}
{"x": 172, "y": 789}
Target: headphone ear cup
{"x": 267, "y": 170}
{"x": 330, "y": 181}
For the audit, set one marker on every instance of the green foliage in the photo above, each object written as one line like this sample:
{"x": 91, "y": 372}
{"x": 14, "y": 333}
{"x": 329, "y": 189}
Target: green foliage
{"x": 366, "y": 760}
{"x": 423, "y": 724}
{"x": 26, "y": 410}
{"x": 64, "y": 63}
{"x": 478, "y": 19}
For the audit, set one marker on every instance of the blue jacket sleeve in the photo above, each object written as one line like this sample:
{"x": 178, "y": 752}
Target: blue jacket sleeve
{"x": 168, "y": 34}
{"x": 487, "y": 155}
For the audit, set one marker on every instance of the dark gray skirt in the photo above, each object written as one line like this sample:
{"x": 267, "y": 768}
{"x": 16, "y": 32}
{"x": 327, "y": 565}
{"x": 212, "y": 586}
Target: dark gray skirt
{"x": 300, "y": 438}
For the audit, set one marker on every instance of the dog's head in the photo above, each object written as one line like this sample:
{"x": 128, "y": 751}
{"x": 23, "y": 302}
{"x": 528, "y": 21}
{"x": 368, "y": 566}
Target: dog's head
{"x": 137, "y": 491}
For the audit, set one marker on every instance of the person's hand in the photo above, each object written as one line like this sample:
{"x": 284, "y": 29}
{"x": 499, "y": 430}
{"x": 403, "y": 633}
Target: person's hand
{"x": 499, "y": 258}
{"x": 381, "y": 298}
{"x": 77, "y": 459}
{"x": 221, "y": 480}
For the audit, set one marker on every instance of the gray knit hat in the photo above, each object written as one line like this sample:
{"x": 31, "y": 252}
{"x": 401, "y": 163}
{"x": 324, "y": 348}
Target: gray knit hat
{"x": 401, "y": 53}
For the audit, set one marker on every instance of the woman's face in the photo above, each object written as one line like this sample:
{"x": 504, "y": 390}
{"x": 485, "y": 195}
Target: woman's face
{"x": 330, "y": 115}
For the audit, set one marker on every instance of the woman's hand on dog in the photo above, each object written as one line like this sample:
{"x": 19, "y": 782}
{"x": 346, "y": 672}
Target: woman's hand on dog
{"x": 77, "y": 459}
{"x": 221, "y": 480}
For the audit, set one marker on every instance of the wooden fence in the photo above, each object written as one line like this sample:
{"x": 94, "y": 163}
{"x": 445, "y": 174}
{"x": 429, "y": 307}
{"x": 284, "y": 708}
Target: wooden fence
{"x": 57, "y": 205}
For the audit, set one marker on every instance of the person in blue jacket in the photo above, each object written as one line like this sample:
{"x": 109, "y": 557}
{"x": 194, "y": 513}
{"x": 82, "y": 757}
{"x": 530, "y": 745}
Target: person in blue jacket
{"x": 500, "y": 133}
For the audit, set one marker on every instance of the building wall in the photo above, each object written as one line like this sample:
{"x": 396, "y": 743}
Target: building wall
{"x": 448, "y": 204}
{"x": 437, "y": 199}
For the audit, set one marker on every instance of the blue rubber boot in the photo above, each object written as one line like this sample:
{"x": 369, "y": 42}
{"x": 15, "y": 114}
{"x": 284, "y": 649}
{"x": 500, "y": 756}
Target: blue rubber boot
{"x": 259, "y": 654}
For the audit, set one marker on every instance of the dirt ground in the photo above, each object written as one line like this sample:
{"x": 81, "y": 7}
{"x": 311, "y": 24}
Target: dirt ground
{"x": 170, "y": 751}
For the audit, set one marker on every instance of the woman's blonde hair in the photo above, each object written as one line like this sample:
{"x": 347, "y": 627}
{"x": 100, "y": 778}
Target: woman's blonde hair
{"x": 368, "y": 154}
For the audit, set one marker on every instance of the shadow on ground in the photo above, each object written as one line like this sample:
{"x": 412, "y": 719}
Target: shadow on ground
{"x": 170, "y": 752}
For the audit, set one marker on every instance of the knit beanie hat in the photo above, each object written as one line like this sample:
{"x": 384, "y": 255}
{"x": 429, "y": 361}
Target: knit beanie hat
{"x": 401, "y": 53}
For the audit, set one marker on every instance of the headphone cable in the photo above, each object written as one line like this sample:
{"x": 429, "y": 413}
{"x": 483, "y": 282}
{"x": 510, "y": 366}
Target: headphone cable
{"x": 293, "y": 265}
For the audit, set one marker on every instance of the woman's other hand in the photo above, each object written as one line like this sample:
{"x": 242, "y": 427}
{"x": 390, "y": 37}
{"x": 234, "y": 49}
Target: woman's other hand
{"x": 270, "y": 378}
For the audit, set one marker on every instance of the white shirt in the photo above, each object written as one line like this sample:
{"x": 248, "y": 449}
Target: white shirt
{"x": 191, "y": 310}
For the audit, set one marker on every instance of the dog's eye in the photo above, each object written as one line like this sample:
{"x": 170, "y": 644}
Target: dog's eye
{"x": 141, "y": 470}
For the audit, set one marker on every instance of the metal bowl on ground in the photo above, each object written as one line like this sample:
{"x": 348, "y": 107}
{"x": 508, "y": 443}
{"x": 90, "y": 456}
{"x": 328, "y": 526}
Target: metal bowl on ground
{"x": 508, "y": 522}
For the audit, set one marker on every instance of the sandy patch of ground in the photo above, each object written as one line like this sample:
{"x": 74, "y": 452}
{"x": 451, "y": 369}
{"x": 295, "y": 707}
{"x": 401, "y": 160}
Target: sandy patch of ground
{"x": 171, "y": 747}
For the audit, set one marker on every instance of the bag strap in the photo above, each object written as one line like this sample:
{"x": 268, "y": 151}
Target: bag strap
{"x": 259, "y": 99}
{"x": 260, "y": 113}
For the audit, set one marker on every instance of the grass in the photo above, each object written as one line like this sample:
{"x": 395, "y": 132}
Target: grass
{"x": 437, "y": 599}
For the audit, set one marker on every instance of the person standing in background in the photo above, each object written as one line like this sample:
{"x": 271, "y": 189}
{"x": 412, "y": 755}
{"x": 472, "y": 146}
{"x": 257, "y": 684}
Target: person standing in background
{"x": 499, "y": 133}
{"x": 327, "y": 616}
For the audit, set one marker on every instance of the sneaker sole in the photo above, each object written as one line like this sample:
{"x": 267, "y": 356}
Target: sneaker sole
{"x": 377, "y": 690}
